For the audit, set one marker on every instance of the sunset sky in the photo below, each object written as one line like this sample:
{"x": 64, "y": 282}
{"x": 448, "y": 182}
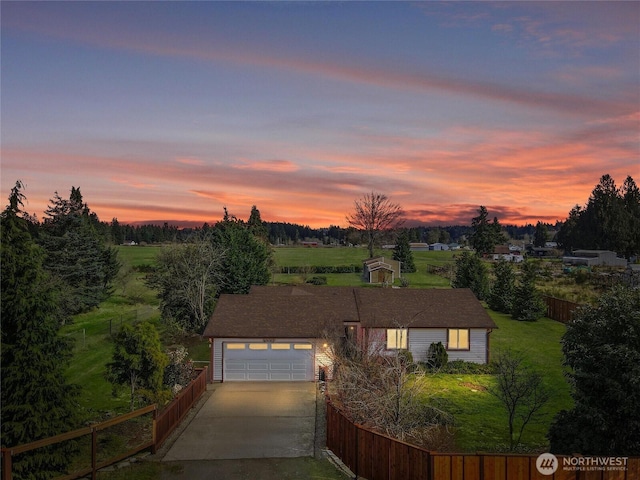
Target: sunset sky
{"x": 170, "y": 111}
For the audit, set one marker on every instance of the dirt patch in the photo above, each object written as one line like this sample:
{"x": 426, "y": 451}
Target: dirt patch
{"x": 474, "y": 386}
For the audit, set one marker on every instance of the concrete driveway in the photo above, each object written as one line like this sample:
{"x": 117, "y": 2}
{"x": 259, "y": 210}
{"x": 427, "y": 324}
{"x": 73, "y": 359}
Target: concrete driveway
{"x": 250, "y": 420}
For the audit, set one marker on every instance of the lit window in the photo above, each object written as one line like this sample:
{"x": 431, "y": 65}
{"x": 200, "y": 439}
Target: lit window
{"x": 258, "y": 346}
{"x": 458, "y": 339}
{"x": 302, "y": 346}
{"x": 396, "y": 338}
{"x": 281, "y": 346}
{"x": 235, "y": 346}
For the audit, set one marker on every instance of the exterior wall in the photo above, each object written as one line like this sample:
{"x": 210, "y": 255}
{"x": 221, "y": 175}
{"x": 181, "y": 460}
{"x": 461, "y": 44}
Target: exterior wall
{"x": 321, "y": 357}
{"x": 419, "y": 340}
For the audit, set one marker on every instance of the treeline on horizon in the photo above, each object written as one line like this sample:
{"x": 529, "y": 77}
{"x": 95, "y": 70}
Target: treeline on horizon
{"x": 609, "y": 220}
{"x": 283, "y": 233}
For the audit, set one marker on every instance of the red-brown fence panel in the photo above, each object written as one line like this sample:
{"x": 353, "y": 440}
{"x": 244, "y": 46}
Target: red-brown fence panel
{"x": 171, "y": 416}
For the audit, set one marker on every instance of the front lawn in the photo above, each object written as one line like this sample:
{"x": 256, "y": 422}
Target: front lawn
{"x": 481, "y": 423}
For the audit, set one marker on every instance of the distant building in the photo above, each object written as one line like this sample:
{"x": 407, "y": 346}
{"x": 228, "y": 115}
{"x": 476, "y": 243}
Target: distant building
{"x": 438, "y": 246}
{"x": 419, "y": 247}
{"x": 592, "y": 258}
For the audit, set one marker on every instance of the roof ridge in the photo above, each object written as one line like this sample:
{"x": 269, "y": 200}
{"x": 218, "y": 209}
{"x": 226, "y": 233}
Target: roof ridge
{"x": 356, "y": 298}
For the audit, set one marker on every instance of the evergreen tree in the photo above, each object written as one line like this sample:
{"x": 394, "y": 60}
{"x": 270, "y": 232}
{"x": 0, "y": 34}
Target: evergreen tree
{"x": 568, "y": 236}
{"x": 247, "y": 259}
{"x": 631, "y": 202}
{"x": 138, "y": 362}
{"x": 502, "y": 291}
{"x": 527, "y": 304}
{"x": 76, "y": 254}
{"x": 117, "y": 233}
{"x": 256, "y": 226}
{"x": 402, "y": 253}
{"x": 602, "y": 350}
{"x": 485, "y": 235}
{"x": 609, "y": 221}
{"x": 37, "y": 402}
{"x": 540, "y": 237}
{"x": 471, "y": 273}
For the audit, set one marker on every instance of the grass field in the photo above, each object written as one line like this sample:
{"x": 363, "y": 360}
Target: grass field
{"x": 345, "y": 256}
{"x": 480, "y": 420}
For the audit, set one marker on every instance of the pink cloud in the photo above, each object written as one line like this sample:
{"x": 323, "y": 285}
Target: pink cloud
{"x": 280, "y": 166}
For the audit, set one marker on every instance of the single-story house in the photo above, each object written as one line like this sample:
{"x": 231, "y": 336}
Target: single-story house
{"x": 282, "y": 333}
{"x": 380, "y": 270}
{"x": 439, "y": 246}
{"x": 595, "y": 258}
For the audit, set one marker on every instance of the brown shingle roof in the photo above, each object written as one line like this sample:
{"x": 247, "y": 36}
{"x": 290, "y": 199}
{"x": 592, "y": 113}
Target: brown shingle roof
{"x": 290, "y": 312}
{"x": 421, "y": 308}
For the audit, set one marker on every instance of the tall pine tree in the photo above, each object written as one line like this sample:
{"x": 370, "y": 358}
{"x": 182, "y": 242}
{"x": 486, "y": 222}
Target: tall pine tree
{"x": 76, "y": 254}
{"x": 37, "y": 402}
{"x": 402, "y": 253}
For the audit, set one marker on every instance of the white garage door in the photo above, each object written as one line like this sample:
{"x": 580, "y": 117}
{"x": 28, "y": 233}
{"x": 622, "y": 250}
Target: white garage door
{"x": 278, "y": 361}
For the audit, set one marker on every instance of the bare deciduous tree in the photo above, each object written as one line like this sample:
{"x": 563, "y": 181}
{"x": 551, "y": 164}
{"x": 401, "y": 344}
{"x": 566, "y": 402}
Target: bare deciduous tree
{"x": 374, "y": 213}
{"x": 385, "y": 392}
{"x": 521, "y": 392}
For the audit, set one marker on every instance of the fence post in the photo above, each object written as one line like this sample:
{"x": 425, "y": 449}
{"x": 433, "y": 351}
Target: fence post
{"x": 94, "y": 453}
{"x": 154, "y": 428}
{"x": 6, "y": 464}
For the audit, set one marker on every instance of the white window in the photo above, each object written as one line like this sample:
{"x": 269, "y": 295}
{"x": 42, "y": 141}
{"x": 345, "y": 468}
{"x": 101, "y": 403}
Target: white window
{"x": 235, "y": 346}
{"x": 258, "y": 346}
{"x": 458, "y": 339}
{"x": 280, "y": 346}
{"x": 396, "y": 338}
{"x": 302, "y": 346}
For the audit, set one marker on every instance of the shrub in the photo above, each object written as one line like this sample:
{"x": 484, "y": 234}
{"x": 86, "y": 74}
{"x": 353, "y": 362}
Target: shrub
{"x": 437, "y": 356}
{"x": 460, "y": 367}
{"x": 318, "y": 280}
{"x": 406, "y": 359}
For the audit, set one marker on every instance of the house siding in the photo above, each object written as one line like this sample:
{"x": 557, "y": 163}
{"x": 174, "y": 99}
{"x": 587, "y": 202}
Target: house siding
{"x": 421, "y": 338}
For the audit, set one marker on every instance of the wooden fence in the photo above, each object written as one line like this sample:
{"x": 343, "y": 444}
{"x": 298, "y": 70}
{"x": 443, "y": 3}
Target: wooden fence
{"x": 560, "y": 310}
{"x": 375, "y": 456}
{"x": 162, "y": 424}
{"x": 171, "y": 416}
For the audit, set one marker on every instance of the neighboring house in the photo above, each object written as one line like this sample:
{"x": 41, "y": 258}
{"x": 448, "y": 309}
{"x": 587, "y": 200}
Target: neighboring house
{"x": 380, "y": 270}
{"x": 418, "y": 247}
{"x": 282, "y": 333}
{"x": 595, "y": 258}
{"x": 507, "y": 252}
{"x": 438, "y": 246}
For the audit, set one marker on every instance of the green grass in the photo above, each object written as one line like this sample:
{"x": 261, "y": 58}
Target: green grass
{"x": 338, "y": 256}
{"x": 137, "y": 256}
{"x": 92, "y": 334}
{"x": 481, "y": 423}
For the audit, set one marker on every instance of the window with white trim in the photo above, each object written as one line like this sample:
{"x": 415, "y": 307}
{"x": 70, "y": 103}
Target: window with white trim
{"x": 396, "y": 338}
{"x": 458, "y": 339}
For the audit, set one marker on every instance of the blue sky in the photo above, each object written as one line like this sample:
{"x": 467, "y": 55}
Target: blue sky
{"x": 173, "y": 110}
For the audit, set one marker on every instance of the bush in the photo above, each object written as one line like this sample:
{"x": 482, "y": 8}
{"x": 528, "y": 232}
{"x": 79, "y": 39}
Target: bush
{"x": 460, "y": 367}
{"x": 406, "y": 359}
{"x": 318, "y": 280}
{"x": 437, "y": 356}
